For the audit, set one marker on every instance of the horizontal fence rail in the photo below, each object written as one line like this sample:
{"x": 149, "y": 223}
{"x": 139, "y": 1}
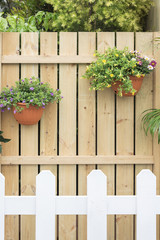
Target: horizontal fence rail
{"x": 47, "y": 59}
{"x": 96, "y": 205}
{"x": 80, "y": 160}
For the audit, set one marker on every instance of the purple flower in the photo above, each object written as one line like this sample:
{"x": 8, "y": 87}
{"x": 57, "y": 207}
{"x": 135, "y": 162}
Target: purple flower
{"x": 8, "y": 108}
{"x": 43, "y": 107}
{"x": 2, "y": 110}
{"x": 30, "y": 79}
{"x": 31, "y": 100}
{"x": 11, "y": 90}
{"x": 140, "y": 63}
{"x": 52, "y": 93}
{"x": 5, "y": 99}
{"x": 1, "y": 105}
{"x": 11, "y": 99}
{"x": 14, "y": 111}
{"x": 41, "y": 83}
{"x": 61, "y": 96}
{"x": 22, "y": 80}
{"x": 31, "y": 88}
{"x": 57, "y": 89}
{"x": 43, "y": 103}
{"x": 153, "y": 63}
{"x": 23, "y": 101}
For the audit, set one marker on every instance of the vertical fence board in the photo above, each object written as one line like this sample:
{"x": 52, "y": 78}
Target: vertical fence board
{"x": 48, "y": 127}
{"x": 106, "y": 127}
{"x": 86, "y": 123}
{"x": 67, "y": 138}
{"x": 125, "y": 124}
{"x": 156, "y": 147}
{"x": 144, "y": 100}
{"x": 10, "y": 74}
{"x": 29, "y": 138}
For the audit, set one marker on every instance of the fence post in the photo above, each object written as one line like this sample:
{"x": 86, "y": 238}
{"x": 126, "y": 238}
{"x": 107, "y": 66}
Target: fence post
{"x": 2, "y": 192}
{"x": 45, "y": 206}
{"x": 96, "y": 213}
{"x": 146, "y": 212}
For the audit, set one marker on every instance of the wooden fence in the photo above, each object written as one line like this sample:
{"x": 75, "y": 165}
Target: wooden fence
{"x": 96, "y": 205}
{"x": 87, "y": 130}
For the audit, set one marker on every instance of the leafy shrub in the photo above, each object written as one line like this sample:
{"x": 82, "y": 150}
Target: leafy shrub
{"x": 76, "y": 15}
{"x": 99, "y": 15}
{"x": 42, "y": 21}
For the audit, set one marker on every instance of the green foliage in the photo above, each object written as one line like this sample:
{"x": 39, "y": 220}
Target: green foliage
{"x": 2, "y": 139}
{"x": 151, "y": 122}
{"x": 29, "y": 91}
{"x": 27, "y": 8}
{"x": 13, "y": 23}
{"x": 99, "y": 15}
{"x": 116, "y": 65}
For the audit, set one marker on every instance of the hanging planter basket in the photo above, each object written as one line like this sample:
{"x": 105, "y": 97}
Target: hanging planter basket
{"x": 28, "y": 116}
{"x": 136, "y": 83}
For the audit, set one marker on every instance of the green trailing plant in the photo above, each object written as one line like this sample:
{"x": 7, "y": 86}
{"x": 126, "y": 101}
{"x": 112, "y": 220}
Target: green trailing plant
{"x": 41, "y": 21}
{"x": 99, "y": 15}
{"x": 151, "y": 122}
{"x": 117, "y": 65}
{"x": 2, "y": 139}
{"x": 29, "y": 91}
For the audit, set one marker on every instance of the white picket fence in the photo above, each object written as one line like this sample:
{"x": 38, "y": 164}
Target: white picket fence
{"x": 96, "y": 205}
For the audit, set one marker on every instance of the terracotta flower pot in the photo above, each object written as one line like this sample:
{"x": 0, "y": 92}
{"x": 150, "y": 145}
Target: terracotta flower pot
{"x": 136, "y": 82}
{"x": 28, "y": 116}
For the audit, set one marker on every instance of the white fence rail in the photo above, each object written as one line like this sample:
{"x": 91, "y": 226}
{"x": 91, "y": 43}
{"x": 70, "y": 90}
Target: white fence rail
{"x": 96, "y": 205}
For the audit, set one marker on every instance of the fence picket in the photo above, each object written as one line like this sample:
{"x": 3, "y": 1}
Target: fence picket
{"x": 146, "y": 214}
{"x": 45, "y": 206}
{"x": 96, "y": 214}
{"x": 96, "y": 205}
{"x": 2, "y": 192}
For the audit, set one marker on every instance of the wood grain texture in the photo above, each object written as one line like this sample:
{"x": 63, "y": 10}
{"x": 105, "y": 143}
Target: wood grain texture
{"x": 124, "y": 141}
{"x": 156, "y": 104}
{"x": 67, "y": 131}
{"x": 48, "y": 123}
{"x": 106, "y": 128}
{"x": 48, "y": 58}
{"x": 144, "y": 100}
{"x": 10, "y": 74}
{"x": 29, "y": 138}
{"x": 86, "y": 123}
{"x": 79, "y": 160}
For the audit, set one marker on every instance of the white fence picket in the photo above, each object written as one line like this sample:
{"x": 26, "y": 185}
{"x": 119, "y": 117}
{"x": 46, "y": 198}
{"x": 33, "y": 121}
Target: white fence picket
{"x": 96, "y": 214}
{"x": 96, "y": 205}
{"x": 45, "y": 206}
{"x": 2, "y": 193}
{"x": 146, "y": 199}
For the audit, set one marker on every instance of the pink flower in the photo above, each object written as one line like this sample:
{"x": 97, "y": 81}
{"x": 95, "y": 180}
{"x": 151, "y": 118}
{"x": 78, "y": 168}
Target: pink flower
{"x": 153, "y": 63}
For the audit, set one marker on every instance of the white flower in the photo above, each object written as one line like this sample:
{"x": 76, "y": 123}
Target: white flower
{"x": 150, "y": 67}
{"x": 146, "y": 58}
{"x": 133, "y": 59}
